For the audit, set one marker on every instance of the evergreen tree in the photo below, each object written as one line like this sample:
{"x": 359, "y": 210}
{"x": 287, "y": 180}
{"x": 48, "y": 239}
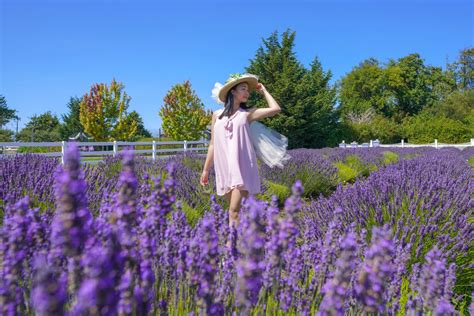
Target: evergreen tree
{"x": 71, "y": 122}
{"x": 141, "y": 130}
{"x": 41, "y": 128}
{"x": 6, "y": 114}
{"x": 307, "y": 101}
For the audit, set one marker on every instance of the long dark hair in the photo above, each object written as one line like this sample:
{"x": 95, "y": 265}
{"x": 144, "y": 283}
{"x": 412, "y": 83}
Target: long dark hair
{"x": 230, "y": 102}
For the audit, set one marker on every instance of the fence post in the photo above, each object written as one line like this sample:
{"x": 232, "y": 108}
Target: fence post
{"x": 153, "y": 149}
{"x": 436, "y": 143}
{"x": 115, "y": 148}
{"x": 185, "y": 145}
{"x": 403, "y": 143}
{"x": 472, "y": 141}
{"x": 63, "y": 150}
{"x": 371, "y": 144}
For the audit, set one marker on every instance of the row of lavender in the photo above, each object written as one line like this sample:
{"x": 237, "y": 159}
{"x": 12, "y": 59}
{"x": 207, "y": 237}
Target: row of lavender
{"x": 396, "y": 241}
{"x": 34, "y": 175}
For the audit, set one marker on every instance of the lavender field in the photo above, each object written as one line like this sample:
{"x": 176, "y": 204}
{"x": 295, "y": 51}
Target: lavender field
{"x": 337, "y": 232}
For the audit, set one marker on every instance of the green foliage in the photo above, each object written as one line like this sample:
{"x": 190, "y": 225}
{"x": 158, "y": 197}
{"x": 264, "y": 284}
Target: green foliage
{"x": 404, "y": 292}
{"x": 41, "y": 128}
{"x": 305, "y": 96}
{"x": 364, "y": 88}
{"x": 381, "y": 101}
{"x": 390, "y": 157}
{"x": 463, "y": 69}
{"x": 71, "y": 123}
{"x": 103, "y": 113}
{"x": 6, "y": 114}
{"x": 280, "y": 190}
{"x": 6, "y": 135}
{"x": 345, "y": 172}
{"x": 458, "y": 106}
{"x": 314, "y": 183}
{"x": 183, "y": 114}
{"x": 141, "y": 130}
{"x": 364, "y": 127}
{"x": 39, "y": 150}
{"x": 412, "y": 83}
{"x": 192, "y": 214}
{"x": 471, "y": 161}
{"x": 424, "y": 128}
{"x": 352, "y": 168}
{"x": 399, "y": 89}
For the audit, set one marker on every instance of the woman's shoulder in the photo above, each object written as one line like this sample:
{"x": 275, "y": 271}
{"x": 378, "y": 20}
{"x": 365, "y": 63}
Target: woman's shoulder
{"x": 249, "y": 111}
{"x": 217, "y": 112}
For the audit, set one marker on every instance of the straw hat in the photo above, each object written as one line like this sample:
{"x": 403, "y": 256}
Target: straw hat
{"x": 219, "y": 92}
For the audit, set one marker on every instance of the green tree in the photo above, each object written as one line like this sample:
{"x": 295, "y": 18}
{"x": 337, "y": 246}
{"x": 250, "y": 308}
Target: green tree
{"x": 442, "y": 84}
{"x": 41, "y": 128}
{"x": 425, "y": 127}
{"x": 141, "y": 130}
{"x": 463, "y": 69}
{"x": 399, "y": 89}
{"x": 71, "y": 123}
{"x": 183, "y": 115}
{"x": 459, "y": 105}
{"x": 307, "y": 100}
{"x": 6, "y": 135}
{"x": 365, "y": 87}
{"x": 370, "y": 125}
{"x": 6, "y": 114}
{"x": 103, "y": 113}
{"x": 411, "y": 84}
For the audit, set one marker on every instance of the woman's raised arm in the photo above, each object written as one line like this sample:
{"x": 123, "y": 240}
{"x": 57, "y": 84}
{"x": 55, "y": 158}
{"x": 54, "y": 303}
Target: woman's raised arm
{"x": 273, "y": 107}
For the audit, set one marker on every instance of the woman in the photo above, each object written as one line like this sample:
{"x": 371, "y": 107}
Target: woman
{"x": 230, "y": 149}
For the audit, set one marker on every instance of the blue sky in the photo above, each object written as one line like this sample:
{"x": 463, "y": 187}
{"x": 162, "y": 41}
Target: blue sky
{"x": 54, "y": 50}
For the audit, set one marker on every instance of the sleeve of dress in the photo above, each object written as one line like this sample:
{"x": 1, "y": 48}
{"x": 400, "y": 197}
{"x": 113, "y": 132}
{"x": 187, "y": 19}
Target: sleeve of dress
{"x": 270, "y": 146}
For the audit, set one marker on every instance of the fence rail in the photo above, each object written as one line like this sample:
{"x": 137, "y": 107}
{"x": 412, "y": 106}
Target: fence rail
{"x": 88, "y": 148}
{"x": 403, "y": 144}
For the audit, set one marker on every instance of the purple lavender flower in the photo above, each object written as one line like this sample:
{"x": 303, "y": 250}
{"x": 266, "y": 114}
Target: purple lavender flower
{"x": 251, "y": 265}
{"x": 126, "y": 286}
{"x": 71, "y": 225}
{"x": 401, "y": 258}
{"x": 414, "y": 306}
{"x": 291, "y": 290}
{"x": 435, "y": 279}
{"x": 336, "y": 290}
{"x": 376, "y": 271}
{"x": 209, "y": 244}
{"x": 273, "y": 245}
{"x": 104, "y": 266}
{"x": 127, "y": 195}
{"x": 293, "y": 203}
{"x": 49, "y": 291}
{"x": 444, "y": 308}
{"x": 14, "y": 250}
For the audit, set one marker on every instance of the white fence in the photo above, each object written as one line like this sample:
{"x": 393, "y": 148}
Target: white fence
{"x": 376, "y": 143}
{"x": 88, "y": 148}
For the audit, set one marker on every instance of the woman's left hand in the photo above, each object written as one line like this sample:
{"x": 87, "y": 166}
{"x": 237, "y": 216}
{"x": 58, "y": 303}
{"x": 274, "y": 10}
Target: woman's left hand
{"x": 261, "y": 88}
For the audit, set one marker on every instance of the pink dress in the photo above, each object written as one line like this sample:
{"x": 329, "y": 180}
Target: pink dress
{"x": 235, "y": 161}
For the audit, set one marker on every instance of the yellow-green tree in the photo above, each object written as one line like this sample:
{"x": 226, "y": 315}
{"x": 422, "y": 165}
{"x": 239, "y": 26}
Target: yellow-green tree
{"x": 103, "y": 113}
{"x": 183, "y": 114}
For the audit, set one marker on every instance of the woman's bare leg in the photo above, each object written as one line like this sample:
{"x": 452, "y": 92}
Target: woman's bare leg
{"x": 234, "y": 205}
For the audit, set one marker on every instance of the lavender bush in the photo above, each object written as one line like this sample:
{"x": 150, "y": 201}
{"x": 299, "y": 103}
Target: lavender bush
{"x": 115, "y": 239}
